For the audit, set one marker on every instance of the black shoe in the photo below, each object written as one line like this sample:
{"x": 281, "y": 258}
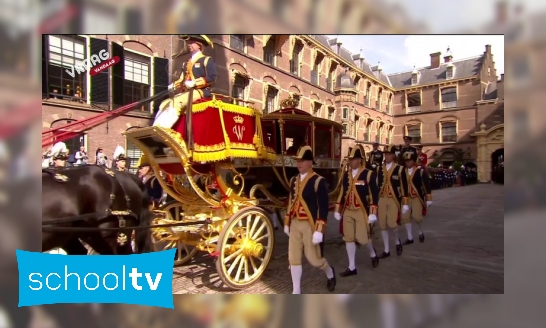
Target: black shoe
{"x": 399, "y": 248}
{"x": 331, "y": 283}
{"x": 348, "y": 272}
{"x": 384, "y": 255}
{"x": 422, "y": 237}
{"x": 408, "y": 242}
{"x": 375, "y": 260}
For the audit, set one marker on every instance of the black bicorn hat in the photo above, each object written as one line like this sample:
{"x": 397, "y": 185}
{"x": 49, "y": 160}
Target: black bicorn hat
{"x": 356, "y": 152}
{"x": 201, "y": 38}
{"x": 410, "y": 155}
{"x": 408, "y": 138}
{"x": 376, "y": 144}
{"x": 305, "y": 153}
{"x": 392, "y": 149}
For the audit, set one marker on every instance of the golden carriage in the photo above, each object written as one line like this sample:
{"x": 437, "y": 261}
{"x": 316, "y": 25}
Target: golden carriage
{"x": 227, "y": 169}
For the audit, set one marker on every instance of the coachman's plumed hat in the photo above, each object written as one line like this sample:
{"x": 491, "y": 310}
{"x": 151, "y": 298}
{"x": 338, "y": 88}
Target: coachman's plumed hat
{"x": 59, "y": 151}
{"x": 119, "y": 154}
{"x": 200, "y": 38}
{"x": 305, "y": 153}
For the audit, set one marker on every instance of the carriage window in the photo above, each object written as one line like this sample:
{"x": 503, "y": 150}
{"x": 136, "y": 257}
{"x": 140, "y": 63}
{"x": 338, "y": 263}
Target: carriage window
{"x": 323, "y": 140}
{"x": 296, "y": 135}
{"x": 269, "y": 135}
{"x": 337, "y": 143}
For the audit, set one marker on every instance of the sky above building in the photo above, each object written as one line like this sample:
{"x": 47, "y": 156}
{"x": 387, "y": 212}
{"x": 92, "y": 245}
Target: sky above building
{"x": 400, "y": 53}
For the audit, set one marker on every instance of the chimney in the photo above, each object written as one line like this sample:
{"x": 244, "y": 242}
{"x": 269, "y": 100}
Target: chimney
{"x": 502, "y": 12}
{"x": 435, "y": 60}
{"x": 338, "y": 47}
{"x": 449, "y": 56}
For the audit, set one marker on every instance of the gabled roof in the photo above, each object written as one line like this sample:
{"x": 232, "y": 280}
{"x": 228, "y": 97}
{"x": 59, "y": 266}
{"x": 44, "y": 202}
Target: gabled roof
{"x": 463, "y": 68}
{"x": 348, "y": 56}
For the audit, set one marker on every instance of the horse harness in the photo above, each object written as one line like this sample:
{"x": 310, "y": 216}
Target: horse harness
{"x": 122, "y": 237}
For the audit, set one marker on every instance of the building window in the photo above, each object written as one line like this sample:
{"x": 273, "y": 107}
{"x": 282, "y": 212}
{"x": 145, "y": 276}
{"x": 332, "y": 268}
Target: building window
{"x": 329, "y": 81}
{"x": 414, "y": 131}
{"x": 345, "y": 113}
{"x": 317, "y": 109}
{"x": 66, "y": 78}
{"x": 357, "y": 126}
{"x": 367, "y": 131}
{"x": 367, "y": 97}
{"x": 237, "y": 42}
{"x": 449, "y": 98}
{"x": 269, "y": 51}
{"x": 449, "y": 72}
{"x": 270, "y": 100}
{"x": 414, "y": 79}
{"x": 378, "y": 102}
{"x": 136, "y": 85}
{"x": 238, "y": 90}
{"x": 449, "y": 131}
{"x": 314, "y": 73}
{"x": 345, "y": 128}
{"x": 520, "y": 68}
{"x": 331, "y": 113}
{"x": 413, "y": 102}
{"x": 295, "y": 61}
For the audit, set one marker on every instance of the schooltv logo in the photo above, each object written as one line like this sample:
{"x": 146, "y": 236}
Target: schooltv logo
{"x": 140, "y": 279}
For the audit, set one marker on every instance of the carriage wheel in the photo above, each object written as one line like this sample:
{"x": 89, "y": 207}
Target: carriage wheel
{"x": 245, "y": 247}
{"x": 184, "y": 253}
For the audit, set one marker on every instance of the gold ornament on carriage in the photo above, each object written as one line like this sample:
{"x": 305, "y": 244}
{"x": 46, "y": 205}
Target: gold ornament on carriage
{"x": 289, "y": 103}
{"x": 239, "y": 119}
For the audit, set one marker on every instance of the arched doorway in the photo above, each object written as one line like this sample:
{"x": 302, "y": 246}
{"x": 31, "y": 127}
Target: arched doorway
{"x": 497, "y": 166}
{"x": 489, "y": 141}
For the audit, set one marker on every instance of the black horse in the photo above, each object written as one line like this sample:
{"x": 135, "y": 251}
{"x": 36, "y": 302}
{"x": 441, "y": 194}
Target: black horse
{"x": 90, "y": 196}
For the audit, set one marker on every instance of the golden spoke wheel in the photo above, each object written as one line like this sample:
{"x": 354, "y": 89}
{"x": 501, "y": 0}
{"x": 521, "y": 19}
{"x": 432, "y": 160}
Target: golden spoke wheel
{"x": 246, "y": 246}
{"x": 184, "y": 253}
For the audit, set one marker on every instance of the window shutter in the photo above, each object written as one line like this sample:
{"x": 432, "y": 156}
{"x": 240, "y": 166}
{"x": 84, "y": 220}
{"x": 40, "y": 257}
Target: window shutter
{"x": 161, "y": 79}
{"x": 118, "y": 76}
{"x": 133, "y": 21}
{"x": 45, "y": 48}
{"x": 99, "y": 82}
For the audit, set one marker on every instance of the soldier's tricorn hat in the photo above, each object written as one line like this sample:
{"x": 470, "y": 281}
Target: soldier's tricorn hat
{"x": 142, "y": 161}
{"x": 390, "y": 149}
{"x": 410, "y": 156}
{"x": 357, "y": 152}
{"x": 408, "y": 138}
{"x": 200, "y": 38}
{"x": 305, "y": 153}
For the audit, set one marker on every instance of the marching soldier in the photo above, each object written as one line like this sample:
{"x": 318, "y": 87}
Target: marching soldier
{"x": 59, "y": 154}
{"x": 407, "y": 148}
{"x": 358, "y": 197}
{"x": 198, "y": 74}
{"x": 376, "y": 158}
{"x": 417, "y": 197}
{"x": 305, "y": 220}
{"x": 120, "y": 159}
{"x": 145, "y": 172}
{"x": 391, "y": 191}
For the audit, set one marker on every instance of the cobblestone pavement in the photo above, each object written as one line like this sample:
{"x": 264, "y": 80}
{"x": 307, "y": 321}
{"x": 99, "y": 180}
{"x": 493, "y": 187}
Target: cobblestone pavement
{"x": 463, "y": 253}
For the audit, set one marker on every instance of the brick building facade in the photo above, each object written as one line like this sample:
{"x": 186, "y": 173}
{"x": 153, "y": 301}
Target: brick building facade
{"x": 330, "y": 82}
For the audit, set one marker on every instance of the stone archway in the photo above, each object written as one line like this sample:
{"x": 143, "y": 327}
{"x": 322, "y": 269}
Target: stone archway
{"x": 488, "y": 142}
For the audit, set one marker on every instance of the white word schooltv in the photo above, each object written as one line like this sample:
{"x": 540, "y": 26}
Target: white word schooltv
{"x": 140, "y": 279}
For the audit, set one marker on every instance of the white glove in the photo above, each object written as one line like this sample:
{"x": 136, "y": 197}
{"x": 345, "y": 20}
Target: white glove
{"x": 337, "y": 216}
{"x": 372, "y": 218}
{"x": 317, "y": 237}
{"x": 171, "y": 86}
{"x": 419, "y": 166}
{"x": 429, "y": 202}
{"x": 190, "y": 84}
{"x": 287, "y": 230}
{"x": 405, "y": 209}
